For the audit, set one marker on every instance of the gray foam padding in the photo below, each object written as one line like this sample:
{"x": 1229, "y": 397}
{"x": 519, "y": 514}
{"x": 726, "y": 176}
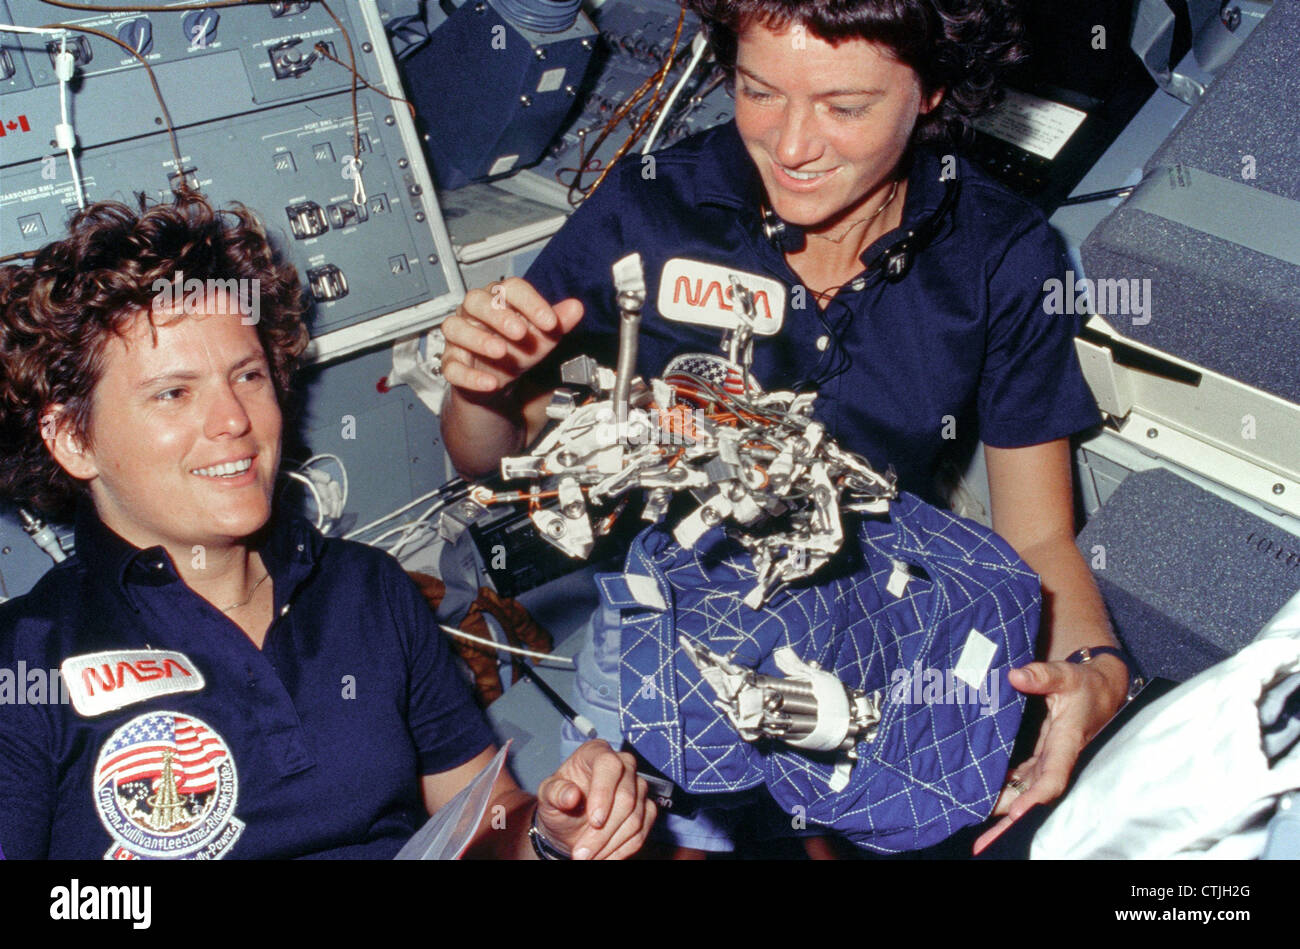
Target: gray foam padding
{"x": 1189, "y": 578}
{"x": 1214, "y": 303}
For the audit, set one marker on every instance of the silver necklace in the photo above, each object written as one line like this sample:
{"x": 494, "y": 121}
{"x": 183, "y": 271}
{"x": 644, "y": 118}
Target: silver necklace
{"x": 251, "y": 593}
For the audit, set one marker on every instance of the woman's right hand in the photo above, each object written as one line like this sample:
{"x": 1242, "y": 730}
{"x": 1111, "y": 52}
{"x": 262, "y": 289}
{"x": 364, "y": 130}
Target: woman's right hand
{"x": 500, "y": 332}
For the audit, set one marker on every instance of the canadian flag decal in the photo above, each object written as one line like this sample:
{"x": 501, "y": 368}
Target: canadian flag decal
{"x": 19, "y": 124}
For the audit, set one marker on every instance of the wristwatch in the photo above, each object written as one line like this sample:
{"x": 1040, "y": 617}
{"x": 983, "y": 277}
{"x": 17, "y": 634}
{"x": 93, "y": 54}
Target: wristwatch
{"x": 542, "y": 845}
{"x": 1088, "y": 653}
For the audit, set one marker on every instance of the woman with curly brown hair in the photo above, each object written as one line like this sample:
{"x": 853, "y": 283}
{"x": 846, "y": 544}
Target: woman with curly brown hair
{"x": 238, "y": 684}
{"x": 909, "y": 289}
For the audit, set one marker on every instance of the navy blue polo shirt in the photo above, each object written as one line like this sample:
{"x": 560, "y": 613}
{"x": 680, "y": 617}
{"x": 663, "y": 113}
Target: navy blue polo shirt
{"x": 312, "y": 746}
{"x": 962, "y": 341}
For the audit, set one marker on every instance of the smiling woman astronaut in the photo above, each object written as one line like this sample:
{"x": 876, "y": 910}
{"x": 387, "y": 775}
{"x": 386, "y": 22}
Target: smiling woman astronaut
{"x": 836, "y": 156}
{"x": 203, "y": 636}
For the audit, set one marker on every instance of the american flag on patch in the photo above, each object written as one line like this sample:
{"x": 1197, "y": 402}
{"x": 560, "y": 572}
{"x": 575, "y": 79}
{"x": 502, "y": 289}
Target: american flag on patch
{"x": 137, "y": 753}
{"x": 724, "y": 374}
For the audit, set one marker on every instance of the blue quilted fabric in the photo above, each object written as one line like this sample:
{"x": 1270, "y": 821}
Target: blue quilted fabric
{"x": 938, "y": 759}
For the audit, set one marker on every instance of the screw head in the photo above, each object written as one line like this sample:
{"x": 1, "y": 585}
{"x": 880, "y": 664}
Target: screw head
{"x": 1153, "y": 432}
{"x": 1279, "y": 488}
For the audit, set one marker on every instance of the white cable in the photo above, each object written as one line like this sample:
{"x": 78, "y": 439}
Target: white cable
{"x": 391, "y": 531}
{"x": 408, "y": 526}
{"x": 43, "y": 30}
{"x": 698, "y": 46}
{"x": 315, "y": 494}
{"x": 336, "y": 494}
{"x": 405, "y": 526}
{"x": 65, "y": 136}
{"x": 65, "y": 64}
{"x": 392, "y": 514}
{"x": 418, "y": 522}
{"x": 358, "y": 188}
{"x": 540, "y": 656}
{"x": 323, "y": 456}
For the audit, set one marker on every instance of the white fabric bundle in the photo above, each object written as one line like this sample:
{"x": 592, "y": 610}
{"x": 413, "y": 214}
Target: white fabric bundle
{"x": 1189, "y": 776}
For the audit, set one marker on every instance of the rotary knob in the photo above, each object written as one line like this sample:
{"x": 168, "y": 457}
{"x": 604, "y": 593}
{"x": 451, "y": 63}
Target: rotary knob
{"x": 137, "y": 34}
{"x": 201, "y": 27}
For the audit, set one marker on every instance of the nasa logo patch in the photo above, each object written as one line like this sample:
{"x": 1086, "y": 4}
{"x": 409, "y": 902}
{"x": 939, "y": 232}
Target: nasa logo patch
{"x": 100, "y": 682}
{"x": 165, "y": 788}
{"x": 692, "y": 291}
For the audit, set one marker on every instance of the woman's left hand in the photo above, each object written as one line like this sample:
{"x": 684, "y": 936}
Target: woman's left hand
{"x": 1081, "y": 699}
{"x": 595, "y": 805}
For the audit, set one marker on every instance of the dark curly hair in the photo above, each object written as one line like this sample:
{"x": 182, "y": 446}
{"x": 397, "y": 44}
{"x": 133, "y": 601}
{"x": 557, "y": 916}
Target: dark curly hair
{"x": 56, "y": 317}
{"x": 961, "y": 46}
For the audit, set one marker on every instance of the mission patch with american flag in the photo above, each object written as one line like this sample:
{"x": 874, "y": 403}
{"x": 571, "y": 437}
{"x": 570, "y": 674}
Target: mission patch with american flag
{"x": 165, "y": 788}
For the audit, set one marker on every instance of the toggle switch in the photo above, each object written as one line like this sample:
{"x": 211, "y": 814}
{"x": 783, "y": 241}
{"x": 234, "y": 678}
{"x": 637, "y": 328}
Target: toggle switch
{"x": 307, "y": 219}
{"x": 327, "y": 283}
